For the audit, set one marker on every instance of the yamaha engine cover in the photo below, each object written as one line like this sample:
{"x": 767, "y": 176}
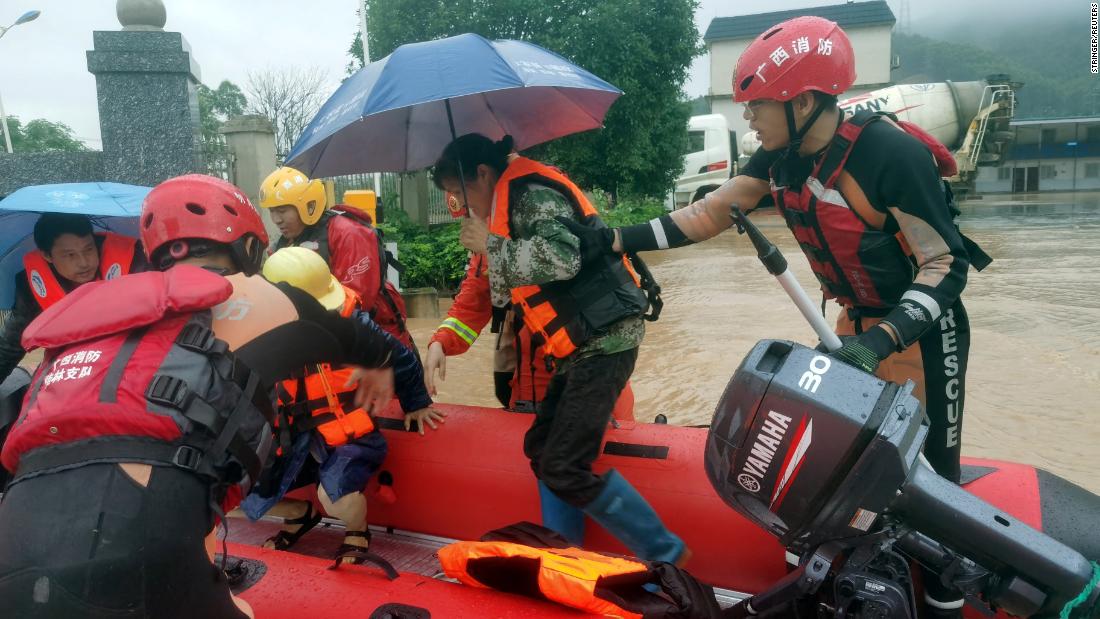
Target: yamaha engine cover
{"x": 810, "y": 448}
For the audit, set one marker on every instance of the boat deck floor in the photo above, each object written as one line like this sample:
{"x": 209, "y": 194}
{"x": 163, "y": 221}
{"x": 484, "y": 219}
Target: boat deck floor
{"x": 406, "y": 552}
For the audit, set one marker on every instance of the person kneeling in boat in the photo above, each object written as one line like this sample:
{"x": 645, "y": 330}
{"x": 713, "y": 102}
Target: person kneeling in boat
{"x": 324, "y": 439}
{"x": 151, "y": 414}
{"x": 587, "y": 312}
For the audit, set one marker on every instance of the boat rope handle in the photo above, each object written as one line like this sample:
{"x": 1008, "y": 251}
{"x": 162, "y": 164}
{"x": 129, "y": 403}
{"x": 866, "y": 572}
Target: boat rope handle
{"x": 1084, "y": 595}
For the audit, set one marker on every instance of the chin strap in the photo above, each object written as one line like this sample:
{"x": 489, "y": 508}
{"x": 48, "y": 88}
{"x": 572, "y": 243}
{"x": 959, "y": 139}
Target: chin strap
{"x": 796, "y": 134}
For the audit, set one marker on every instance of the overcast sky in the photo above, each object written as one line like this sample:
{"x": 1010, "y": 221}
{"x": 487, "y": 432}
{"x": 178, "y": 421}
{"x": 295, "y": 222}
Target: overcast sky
{"x": 43, "y": 66}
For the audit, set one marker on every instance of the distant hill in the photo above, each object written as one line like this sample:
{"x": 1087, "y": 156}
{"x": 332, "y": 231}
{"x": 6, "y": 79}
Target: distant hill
{"x": 1053, "y": 66}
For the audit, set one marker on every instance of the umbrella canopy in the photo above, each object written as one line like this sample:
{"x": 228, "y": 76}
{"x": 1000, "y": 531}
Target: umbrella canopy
{"x": 392, "y": 115}
{"x": 111, "y": 206}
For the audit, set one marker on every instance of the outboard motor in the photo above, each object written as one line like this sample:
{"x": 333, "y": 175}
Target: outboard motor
{"x": 828, "y": 459}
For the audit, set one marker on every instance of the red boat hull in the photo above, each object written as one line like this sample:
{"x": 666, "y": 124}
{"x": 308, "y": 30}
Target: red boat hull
{"x": 471, "y": 476}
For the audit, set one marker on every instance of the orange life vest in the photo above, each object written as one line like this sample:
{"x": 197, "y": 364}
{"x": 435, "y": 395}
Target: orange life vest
{"x": 567, "y": 313}
{"x": 322, "y": 392}
{"x": 115, "y": 256}
{"x": 568, "y": 576}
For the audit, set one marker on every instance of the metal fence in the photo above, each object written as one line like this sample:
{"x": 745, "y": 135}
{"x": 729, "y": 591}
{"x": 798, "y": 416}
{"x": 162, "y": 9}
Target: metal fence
{"x": 437, "y": 207}
{"x": 390, "y": 185}
{"x": 216, "y": 159}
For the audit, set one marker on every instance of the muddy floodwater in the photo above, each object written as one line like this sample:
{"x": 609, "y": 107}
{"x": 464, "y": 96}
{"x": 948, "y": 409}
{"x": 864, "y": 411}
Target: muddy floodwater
{"x": 1033, "y": 386}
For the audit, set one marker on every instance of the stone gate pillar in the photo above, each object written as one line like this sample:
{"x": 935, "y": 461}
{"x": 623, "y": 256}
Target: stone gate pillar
{"x": 147, "y": 85}
{"x": 251, "y": 139}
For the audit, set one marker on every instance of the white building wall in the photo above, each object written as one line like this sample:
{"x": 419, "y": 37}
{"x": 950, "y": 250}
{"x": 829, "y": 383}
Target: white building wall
{"x": 1084, "y": 183}
{"x": 1063, "y": 179}
{"x": 872, "y": 47}
{"x": 988, "y": 181}
{"x": 723, "y": 59}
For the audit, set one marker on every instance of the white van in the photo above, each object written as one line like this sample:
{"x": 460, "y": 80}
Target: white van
{"x": 711, "y": 159}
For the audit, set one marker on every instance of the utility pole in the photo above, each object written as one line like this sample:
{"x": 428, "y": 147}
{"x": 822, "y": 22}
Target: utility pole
{"x": 24, "y": 18}
{"x": 366, "y": 61}
{"x": 4, "y": 124}
{"x": 363, "y": 30}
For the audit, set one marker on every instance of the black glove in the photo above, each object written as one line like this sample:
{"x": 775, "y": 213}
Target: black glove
{"x": 693, "y": 599}
{"x": 866, "y": 350}
{"x": 595, "y": 242}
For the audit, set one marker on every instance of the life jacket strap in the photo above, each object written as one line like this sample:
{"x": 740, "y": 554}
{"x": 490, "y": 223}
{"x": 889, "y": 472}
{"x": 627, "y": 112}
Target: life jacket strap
{"x": 57, "y": 458}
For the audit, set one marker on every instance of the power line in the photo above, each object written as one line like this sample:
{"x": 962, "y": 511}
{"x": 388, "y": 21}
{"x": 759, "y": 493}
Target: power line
{"x": 904, "y": 17}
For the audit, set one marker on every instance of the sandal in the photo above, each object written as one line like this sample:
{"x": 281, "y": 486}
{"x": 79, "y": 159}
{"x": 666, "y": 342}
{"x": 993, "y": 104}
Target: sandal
{"x": 359, "y": 555}
{"x": 285, "y": 539}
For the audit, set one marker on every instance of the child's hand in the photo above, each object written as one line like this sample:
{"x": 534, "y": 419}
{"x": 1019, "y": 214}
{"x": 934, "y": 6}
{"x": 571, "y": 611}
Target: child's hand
{"x": 425, "y": 415}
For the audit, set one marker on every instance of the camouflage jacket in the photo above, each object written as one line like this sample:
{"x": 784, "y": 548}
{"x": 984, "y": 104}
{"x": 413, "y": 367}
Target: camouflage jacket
{"x": 542, "y": 251}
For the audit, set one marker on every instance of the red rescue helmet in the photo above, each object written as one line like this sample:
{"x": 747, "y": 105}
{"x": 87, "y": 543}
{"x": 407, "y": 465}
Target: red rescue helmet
{"x": 800, "y": 54}
{"x": 182, "y": 212}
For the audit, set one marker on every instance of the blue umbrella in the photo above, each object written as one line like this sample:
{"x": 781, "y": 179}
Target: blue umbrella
{"x": 112, "y": 206}
{"x": 397, "y": 114}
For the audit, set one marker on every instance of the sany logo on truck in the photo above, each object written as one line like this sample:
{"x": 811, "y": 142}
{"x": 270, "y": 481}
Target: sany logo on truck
{"x": 767, "y": 443}
{"x": 865, "y": 102}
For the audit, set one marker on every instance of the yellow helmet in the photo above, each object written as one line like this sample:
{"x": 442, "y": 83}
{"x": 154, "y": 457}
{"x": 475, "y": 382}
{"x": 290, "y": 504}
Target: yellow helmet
{"x": 306, "y": 269}
{"x": 289, "y": 187}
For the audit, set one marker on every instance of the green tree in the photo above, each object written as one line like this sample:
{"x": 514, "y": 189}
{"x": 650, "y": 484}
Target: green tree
{"x": 355, "y": 50}
{"x": 219, "y": 105}
{"x": 644, "y": 47}
{"x": 700, "y": 105}
{"x": 41, "y": 135}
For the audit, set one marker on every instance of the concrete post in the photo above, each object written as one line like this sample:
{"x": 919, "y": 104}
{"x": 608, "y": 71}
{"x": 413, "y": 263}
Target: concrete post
{"x": 414, "y": 197}
{"x": 147, "y": 87}
{"x": 251, "y": 139}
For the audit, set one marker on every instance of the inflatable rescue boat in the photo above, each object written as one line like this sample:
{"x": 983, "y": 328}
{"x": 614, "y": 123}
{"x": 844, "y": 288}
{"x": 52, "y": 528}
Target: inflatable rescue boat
{"x": 470, "y": 477}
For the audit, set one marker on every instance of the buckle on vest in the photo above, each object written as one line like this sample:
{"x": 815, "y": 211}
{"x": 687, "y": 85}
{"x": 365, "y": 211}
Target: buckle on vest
{"x": 196, "y": 337}
{"x": 187, "y": 457}
{"x": 169, "y": 391}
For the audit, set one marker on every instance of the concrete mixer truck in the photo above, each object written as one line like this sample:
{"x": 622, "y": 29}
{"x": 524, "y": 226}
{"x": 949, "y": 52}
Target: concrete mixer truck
{"x": 971, "y": 118}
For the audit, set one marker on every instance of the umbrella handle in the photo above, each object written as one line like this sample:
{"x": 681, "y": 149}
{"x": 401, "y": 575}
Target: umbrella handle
{"x": 461, "y": 172}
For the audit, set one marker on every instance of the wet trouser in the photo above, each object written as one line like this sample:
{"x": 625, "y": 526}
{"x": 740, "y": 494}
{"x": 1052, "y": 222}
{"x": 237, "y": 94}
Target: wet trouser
{"x": 338, "y": 471}
{"x": 92, "y": 542}
{"x": 570, "y": 422}
{"x": 937, "y": 364}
